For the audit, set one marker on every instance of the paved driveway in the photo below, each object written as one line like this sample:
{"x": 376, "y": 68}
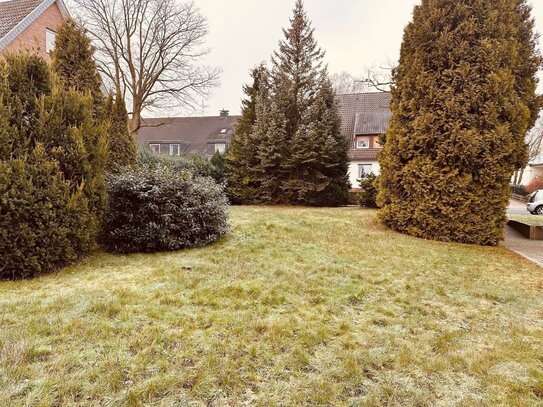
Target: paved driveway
{"x": 530, "y": 249}
{"x": 517, "y": 208}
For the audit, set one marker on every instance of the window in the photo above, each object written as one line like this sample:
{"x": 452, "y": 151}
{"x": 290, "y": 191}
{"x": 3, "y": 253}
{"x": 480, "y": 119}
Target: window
{"x": 223, "y": 131}
{"x": 155, "y": 148}
{"x": 50, "y": 37}
{"x": 220, "y": 148}
{"x": 363, "y": 142}
{"x": 175, "y": 149}
{"x": 364, "y": 169}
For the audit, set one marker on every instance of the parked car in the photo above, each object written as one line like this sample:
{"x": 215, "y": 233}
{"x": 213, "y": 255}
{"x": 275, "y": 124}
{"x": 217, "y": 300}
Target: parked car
{"x": 535, "y": 203}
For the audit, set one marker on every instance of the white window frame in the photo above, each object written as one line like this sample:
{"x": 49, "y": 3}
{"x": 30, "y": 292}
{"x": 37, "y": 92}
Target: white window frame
{"x": 151, "y": 146}
{"x": 224, "y": 130}
{"x": 359, "y": 147}
{"x": 50, "y": 38}
{"x": 172, "y": 146}
{"x": 220, "y": 150}
{"x": 361, "y": 169}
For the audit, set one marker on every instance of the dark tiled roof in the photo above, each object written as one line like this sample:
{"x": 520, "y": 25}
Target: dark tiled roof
{"x": 195, "y": 134}
{"x": 13, "y": 12}
{"x": 354, "y": 104}
{"x": 363, "y": 154}
{"x": 371, "y": 123}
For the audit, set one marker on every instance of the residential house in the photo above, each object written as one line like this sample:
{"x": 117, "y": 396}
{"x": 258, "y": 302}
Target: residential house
{"x": 364, "y": 118}
{"x": 30, "y": 25}
{"x": 201, "y": 136}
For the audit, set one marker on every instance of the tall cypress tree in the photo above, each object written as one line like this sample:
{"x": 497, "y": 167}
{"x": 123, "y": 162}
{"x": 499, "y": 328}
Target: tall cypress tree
{"x": 242, "y": 158}
{"x": 463, "y": 102}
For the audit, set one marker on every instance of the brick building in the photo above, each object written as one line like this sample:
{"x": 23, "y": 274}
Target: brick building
{"x": 30, "y": 25}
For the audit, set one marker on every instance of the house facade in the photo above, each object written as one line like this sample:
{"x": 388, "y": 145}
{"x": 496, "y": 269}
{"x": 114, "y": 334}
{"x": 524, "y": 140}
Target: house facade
{"x": 364, "y": 118}
{"x": 30, "y": 26}
{"x": 193, "y": 136}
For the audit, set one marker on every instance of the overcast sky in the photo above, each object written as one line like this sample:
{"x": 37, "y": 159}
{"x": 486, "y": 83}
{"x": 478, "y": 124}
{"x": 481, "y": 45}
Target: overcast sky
{"x": 354, "y": 33}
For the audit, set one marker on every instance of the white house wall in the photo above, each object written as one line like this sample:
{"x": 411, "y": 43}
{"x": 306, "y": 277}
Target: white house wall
{"x": 353, "y": 170}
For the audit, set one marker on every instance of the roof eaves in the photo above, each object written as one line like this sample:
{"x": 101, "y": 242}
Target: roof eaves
{"x": 29, "y": 19}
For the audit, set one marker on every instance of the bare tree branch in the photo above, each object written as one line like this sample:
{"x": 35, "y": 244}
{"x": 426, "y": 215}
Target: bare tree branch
{"x": 150, "y": 50}
{"x": 345, "y": 83}
{"x": 380, "y": 78}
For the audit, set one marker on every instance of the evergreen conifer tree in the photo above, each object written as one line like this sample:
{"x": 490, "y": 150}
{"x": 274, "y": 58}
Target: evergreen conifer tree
{"x": 242, "y": 158}
{"x": 122, "y": 144}
{"x": 73, "y": 61}
{"x": 301, "y": 155}
{"x": 463, "y": 102}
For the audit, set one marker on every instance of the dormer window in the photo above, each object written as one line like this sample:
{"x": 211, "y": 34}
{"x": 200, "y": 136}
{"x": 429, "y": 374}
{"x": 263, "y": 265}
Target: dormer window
{"x": 223, "y": 131}
{"x": 220, "y": 148}
{"x": 50, "y": 38}
{"x": 362, "y": 143}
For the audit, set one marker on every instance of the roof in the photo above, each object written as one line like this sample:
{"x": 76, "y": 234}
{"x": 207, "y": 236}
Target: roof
{"x": 363, "y": 154}
{"x": 364, "y": 112}
{"x": 194, "y": 134}
{"x": 17, "y": 15}
{"x": 371, "y": 123}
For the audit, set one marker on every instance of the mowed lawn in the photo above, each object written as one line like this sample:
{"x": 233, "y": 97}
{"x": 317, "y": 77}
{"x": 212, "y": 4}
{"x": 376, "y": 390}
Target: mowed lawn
{"x": 297, "y": 307}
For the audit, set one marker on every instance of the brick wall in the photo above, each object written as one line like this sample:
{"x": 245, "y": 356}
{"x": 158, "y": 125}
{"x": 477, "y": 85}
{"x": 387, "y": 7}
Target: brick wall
{"x": 32, "y": 39}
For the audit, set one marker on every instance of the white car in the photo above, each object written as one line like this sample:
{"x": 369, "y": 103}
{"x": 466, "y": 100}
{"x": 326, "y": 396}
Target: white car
{"x": 535, "y": 203}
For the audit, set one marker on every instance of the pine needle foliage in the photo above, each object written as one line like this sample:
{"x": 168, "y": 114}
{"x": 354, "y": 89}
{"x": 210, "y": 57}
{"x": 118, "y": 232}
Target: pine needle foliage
{"x": 290, "y": 149}
{"x": 463, "y": 101}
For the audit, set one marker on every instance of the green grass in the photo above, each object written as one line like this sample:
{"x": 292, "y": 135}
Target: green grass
{"x": 532, "y": 220}
{"x": 297, "y": 307}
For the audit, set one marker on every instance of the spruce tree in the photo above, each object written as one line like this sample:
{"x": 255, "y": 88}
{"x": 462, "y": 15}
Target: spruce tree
{"x": 73, "y": 61}
{"x": 301, "y": 155}
{"x": 463, "y": 102}
{"x": 242, "y": 157}
{"x": 122, "y": 144}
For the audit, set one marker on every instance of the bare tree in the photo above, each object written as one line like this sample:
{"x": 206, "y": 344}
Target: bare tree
{"x": 381, "y": 77}
{"x": 534, "y": 141}
{"x": 344, "y": 83}
{"x": 151, "y": 51}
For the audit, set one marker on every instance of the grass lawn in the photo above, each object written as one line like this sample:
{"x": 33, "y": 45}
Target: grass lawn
{"x": 532, "y": 220}
{"x": 297, "y": 307}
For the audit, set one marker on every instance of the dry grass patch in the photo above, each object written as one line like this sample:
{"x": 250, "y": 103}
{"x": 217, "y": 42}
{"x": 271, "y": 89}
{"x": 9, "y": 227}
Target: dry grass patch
{"x": 296, "y": 307}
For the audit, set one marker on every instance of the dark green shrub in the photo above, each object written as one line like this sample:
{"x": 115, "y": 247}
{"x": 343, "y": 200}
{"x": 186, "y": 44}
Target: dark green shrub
{"x": 518, "y": 190}
{"x": 368, "y": 193}
{"x": 53, "y": 153}
{"x": 42, "y": 224}
{"x": 160, "y": 209}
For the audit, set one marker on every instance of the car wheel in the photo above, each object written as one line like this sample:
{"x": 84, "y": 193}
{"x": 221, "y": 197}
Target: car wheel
{"x": 539, "y": 210}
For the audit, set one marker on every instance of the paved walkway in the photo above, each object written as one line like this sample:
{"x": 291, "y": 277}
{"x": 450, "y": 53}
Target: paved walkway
{"x": 517, "y": 208}
{"x": 530, "y": 249}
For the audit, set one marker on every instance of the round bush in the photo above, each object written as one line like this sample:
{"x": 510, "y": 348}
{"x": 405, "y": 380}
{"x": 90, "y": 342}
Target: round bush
{"x": 536, "y": 184}
{"x": 159, "y": 209}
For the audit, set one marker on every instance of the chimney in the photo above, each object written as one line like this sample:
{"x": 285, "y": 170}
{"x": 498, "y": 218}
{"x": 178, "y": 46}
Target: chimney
{"x": 224, "y": 113}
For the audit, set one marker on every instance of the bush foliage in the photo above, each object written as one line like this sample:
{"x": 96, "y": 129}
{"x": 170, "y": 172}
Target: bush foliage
{"x": 518, "y": 190}
{"x": 368, "y": 193}
{"x": 536, "y": 184}
{"x": 157, "y": 208}
{"x": 52, "y": 157}
{"x": 463, "y": 100}
{"x": 195, "y": 165}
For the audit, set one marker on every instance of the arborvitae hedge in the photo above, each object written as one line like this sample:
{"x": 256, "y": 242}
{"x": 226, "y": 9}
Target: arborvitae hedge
{"x": 52, "y": 157}
{"x": 463, "y": 101}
